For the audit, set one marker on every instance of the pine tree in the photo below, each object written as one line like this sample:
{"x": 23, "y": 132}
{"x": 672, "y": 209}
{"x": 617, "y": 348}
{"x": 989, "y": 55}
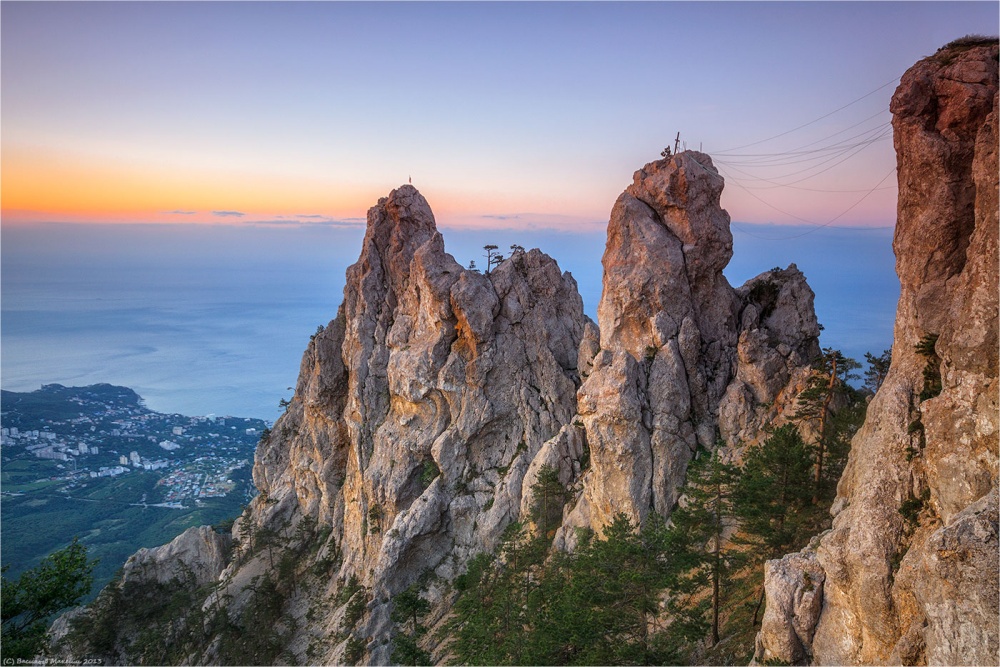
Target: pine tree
{"x": 831, "y": 373}
{"x": 549, "y": 497}
{"x": 773, "y": 491}
{"x": 932, "y": 369}
{"x": 701, "y": 557}
{"x": 29, "y": 601}
{"x": 491, "y": 612}
{"x": 598, "y": 605}
{"x": 407, "y": 608}
{"x": 493, "y": 258}
{"x": 773, "y": 501}
{"x": 878, "y": 368}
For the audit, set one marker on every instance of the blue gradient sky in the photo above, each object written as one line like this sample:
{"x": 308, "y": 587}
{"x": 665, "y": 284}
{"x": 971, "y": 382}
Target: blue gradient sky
{"x": 504, "y": 114}
{"x": 275, "y": 126}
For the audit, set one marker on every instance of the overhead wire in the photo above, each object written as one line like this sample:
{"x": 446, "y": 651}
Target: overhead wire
{"x": 754, "y": 171}
{"x": 841, "y": 131}
{"x": 815, "y": 120}
{"x": 847, "y": 154}
{"x": 798, "y": 156}
{"x": 811, "y": 143}
{"x": 817, "y": 226}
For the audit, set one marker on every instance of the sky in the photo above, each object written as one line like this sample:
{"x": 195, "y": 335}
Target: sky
{"x": 517, "y": 115}
{"x": 183, "y": 184}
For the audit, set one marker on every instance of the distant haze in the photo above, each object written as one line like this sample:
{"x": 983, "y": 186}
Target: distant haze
{"x": 207, "y": 319}
{"x": 184, "y": 184}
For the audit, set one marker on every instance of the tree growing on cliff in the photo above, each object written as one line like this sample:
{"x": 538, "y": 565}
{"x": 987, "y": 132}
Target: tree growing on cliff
{"x": 773, "y": 492}
{"x": 773, "y": 502}
{"x": 602, "y": 604}
{"x": 596, "y": 606}
{"x": 549, "y": 496}
{"x": 927, "y": 349}
{"x": 493, "y": 258}
{"x": 831, "y": 373}
{"x": 30, "y": 601}
{"x": 407, "y": 609}
{"x": 491, "y": 613}
{"x": 878, "y": 368}
{"x": 701, "y": 556}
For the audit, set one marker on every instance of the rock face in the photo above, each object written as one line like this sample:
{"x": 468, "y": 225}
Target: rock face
{"x": 910, "y": 565}
{"x": 426, "y": 410}
{"x": 420, "y": 407}
{"x": 795, "y": 584}
{"x": 197, "y": 557}
{"x": 685, "y": 358}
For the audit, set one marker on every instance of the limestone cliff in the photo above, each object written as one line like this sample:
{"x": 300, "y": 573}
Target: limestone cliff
{"x": 685, "y": 359}
{"x": 908, "y": 573}
{"x": 420, "y": 407}
{"x": 425, "y": 411}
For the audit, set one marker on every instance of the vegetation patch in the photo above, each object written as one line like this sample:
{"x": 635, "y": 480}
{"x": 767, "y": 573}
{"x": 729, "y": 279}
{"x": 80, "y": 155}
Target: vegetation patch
{"x": 428, "y": 473}
{"x": 687, "y": 592}
{"x": 911, "y": 508}
{"x": 764, "y": 293}
{"x": 932, "y": 368}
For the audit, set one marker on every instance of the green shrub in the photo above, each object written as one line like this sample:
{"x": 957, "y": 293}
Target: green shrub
{"x": 765, "y": 294}
{"x": 355, "y": 651}
{"x": 428, "y": 473}
{"x": 911, "y": 507}
{"x": 932, "y": 369}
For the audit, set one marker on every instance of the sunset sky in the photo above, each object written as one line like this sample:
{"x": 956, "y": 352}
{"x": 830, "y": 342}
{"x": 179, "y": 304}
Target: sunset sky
{"x": 503, "y": 114}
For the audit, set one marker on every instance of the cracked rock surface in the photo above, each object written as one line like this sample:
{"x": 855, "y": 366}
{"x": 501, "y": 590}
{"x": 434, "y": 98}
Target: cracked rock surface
{"x": 921, "y": 589}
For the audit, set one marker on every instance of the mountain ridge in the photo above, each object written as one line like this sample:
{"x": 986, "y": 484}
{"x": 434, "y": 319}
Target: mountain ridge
{"x": 428, "y": 408}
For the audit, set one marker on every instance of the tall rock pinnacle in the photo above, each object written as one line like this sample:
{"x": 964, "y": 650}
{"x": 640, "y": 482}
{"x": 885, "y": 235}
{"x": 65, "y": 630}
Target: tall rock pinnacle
{"x": 908, "y": 574}
{"x": 427, "y": 410}
{"x": 673, "y": 333}
{"x": 421, "y": 406}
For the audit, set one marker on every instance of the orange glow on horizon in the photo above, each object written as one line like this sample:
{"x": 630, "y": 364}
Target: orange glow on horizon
{"x": 46, "y": 185}
{"x": 43, "y": 185}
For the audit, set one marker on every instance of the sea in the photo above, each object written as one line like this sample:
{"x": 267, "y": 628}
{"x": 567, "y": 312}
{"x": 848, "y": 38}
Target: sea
{"x": 213, "y": 319}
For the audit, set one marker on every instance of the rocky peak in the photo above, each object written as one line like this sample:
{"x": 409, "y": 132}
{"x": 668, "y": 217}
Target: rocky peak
{"x": 421, "y": 406}
{"x": 669, "y": 220}
{"x": 909, "y": 569}
{"x": 427, "y": 409}
{"x": 685, "y": 190}
{"x": 672, "y": 331}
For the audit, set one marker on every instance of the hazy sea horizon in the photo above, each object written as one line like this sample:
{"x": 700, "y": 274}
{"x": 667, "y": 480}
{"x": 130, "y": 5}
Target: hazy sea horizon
{"x": 214, "y": 319}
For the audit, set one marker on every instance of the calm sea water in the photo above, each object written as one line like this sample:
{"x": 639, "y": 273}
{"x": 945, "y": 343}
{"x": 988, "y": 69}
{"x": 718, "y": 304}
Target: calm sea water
{"x": 214, "y": 320}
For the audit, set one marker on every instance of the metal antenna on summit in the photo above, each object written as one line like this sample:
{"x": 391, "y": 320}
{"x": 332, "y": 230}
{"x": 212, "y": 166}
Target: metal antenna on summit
{"x": 677, "y": 143}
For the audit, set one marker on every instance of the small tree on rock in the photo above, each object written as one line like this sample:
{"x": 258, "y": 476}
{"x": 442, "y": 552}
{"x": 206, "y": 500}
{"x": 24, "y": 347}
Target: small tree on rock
{"x": 878, "y": 368}
{"x": 58, "y": 582}
{"x": 493, "y": 258}
{"x": 831, "y": 373}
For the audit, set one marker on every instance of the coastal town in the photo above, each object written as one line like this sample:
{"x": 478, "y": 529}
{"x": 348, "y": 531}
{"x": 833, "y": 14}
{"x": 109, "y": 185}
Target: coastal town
{"x": 61, "y": 438}
{"x": 94, "y": 464}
